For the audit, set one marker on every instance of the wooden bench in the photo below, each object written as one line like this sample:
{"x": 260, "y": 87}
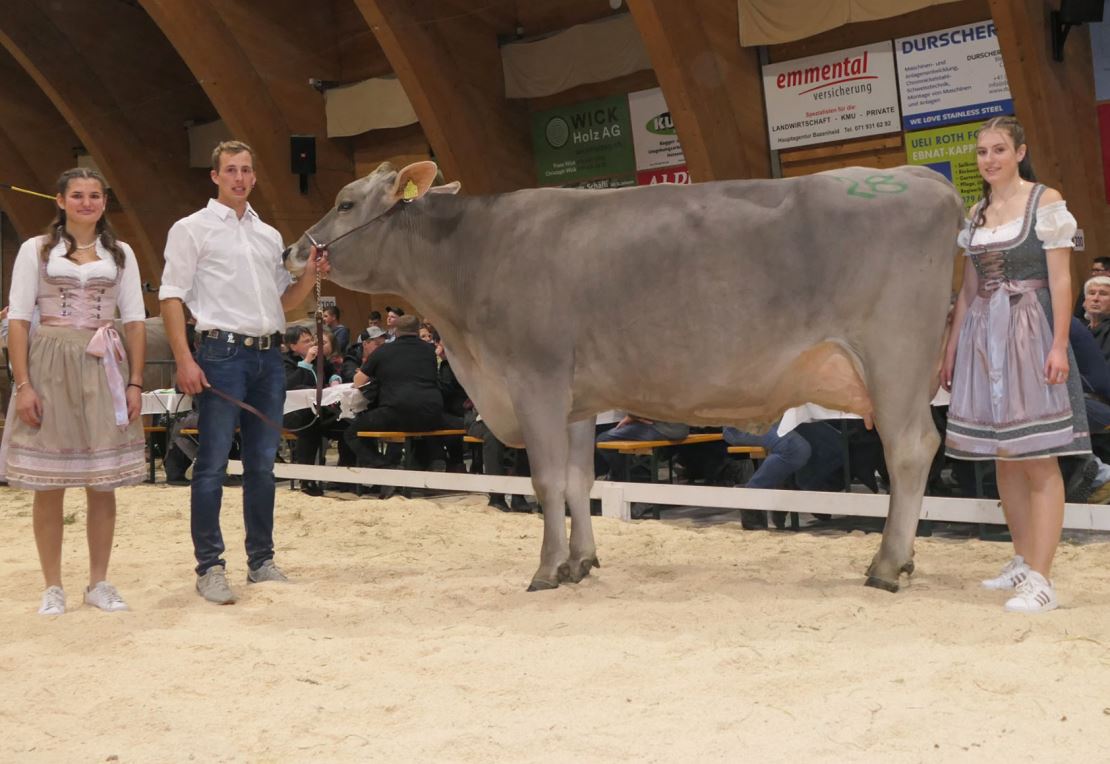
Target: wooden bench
{"x": 651, "y": 448}
{"x": 406, "y": 438}
{"x": 755, "y": 453}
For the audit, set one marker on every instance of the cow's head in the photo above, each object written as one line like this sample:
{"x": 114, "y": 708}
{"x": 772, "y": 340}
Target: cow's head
{"x": 362, "y": 211}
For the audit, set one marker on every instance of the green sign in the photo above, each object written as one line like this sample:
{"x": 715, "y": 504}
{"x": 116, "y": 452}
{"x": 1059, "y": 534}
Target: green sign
{"x": 951, "y": 152}
{"x": 588, "y": 141}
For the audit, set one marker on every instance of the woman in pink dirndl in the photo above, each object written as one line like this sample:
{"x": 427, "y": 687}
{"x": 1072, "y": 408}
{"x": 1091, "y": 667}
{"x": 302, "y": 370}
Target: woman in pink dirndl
{"x": 1008, "y": 361}
{"x": 74, "y": 418}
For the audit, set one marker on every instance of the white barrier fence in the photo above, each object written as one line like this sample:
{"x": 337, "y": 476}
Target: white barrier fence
{"x": 617, "y": 498}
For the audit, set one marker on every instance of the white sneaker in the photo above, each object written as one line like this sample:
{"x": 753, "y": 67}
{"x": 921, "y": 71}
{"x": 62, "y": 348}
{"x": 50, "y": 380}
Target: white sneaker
{"x": 1034, "y": 595}
{"x": 53, "y": 601}
{"x": 1012, "y": 574}
{"x": 106, "y": 597}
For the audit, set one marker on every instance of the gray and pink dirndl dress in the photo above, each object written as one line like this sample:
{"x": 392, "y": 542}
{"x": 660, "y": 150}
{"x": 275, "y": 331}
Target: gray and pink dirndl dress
{"x": 78, "y": 367}
{"x": 1001, "y": 407}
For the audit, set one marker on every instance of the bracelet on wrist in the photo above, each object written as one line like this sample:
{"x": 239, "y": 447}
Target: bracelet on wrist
{"x": 135, "y": 384}
{"x": 22, "y": 385}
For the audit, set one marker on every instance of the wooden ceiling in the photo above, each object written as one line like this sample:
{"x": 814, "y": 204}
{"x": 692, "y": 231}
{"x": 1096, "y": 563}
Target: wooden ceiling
{"x": 121, "y": 79}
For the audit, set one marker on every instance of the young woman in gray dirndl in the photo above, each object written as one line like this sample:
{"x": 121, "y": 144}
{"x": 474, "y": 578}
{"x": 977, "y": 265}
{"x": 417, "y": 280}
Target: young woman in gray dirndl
{"x": 78, "y": 389}
{"x": 1007, "y": 362}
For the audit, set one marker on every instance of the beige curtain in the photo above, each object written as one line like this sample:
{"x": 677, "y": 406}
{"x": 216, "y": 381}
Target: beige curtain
{"x": 372, "y": 104}
{"x": 771, "y": 22}
{"x": 585, "y": 53}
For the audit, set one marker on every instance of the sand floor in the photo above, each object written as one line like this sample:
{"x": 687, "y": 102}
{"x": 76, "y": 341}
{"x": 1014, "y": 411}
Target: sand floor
{"x": 407, "y": 636}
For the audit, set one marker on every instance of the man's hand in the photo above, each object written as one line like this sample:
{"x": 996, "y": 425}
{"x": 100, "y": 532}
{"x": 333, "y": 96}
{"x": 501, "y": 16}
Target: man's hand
{"x": 317, "y": 261}
{"x": 190, "y": 377}
{"x": 311, "y": 353}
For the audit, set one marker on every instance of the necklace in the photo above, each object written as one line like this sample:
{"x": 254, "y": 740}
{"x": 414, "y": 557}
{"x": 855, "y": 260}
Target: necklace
{"x": 90, "y": 245}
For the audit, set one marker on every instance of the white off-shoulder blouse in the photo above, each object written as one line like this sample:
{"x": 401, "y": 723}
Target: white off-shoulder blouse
{"x": 1055, "y": 227}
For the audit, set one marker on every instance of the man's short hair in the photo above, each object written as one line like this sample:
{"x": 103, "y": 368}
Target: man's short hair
{"x": 294, "y": 333}
{"x": 407, "y": 325}
{"x": 395, "y": 311}
{"x": 1104, "y": 261}
{"x": 375, "y": 315}
{"x": 229, "y": 147}
{"x": 334, "y": 310}
{"x": 1096, "y": 281}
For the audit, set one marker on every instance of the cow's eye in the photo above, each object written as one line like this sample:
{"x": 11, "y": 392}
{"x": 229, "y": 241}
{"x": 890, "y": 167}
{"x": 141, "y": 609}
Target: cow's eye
{"x": 344, "y": 206}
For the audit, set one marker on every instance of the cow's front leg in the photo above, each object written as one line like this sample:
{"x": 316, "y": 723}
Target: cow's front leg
{"x": 543, "y": 423}
{"x": 580, "y": 478}
{"x": 909, "y": 452}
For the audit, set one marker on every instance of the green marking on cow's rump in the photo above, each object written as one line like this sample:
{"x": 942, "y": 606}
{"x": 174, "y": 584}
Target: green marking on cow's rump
{"x": 877, "y": 184}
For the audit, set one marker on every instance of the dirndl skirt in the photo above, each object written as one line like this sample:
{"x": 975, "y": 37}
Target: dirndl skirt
{"x": 78, "y": 443}
{"x": 1001, "y": 407}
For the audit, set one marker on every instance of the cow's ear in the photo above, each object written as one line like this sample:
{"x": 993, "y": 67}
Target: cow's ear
{"x": 414, "y": 181}
{"x": 447, "y": 188}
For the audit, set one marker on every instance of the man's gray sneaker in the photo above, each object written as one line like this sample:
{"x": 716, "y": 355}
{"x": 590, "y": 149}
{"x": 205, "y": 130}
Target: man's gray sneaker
{"x": 213, "y": 586}
{"x": 267, "y": 571}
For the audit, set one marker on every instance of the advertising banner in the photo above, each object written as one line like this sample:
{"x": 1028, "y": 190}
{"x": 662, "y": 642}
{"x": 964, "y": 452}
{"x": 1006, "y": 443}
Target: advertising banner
{"x": 951, "y": 152}
{"x": 584, "y": 142}
{"x": 665, "y": 175}
{"x": 951, "y": 76}
{"x": 832, "y": 97}
{"x": 653, "y": 135}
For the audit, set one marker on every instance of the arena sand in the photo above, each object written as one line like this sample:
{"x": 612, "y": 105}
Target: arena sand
{"x": 408, "y": 636}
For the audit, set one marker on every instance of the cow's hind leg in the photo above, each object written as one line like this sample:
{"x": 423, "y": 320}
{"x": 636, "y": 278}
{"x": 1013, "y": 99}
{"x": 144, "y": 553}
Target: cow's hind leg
{"x": 543, "y": 423}
{"x": 910, "y": 442}
{"x": 580, "y": 478}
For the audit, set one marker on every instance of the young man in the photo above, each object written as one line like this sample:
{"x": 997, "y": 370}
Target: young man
{"x": 226, "y": 264}
{"x": 338, "y": 330}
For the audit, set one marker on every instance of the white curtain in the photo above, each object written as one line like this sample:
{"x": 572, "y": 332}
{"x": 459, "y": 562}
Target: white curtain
{"x": 771, "y": 22}
{"x": 372, "y": 104}
{"x": 592, "y": 52}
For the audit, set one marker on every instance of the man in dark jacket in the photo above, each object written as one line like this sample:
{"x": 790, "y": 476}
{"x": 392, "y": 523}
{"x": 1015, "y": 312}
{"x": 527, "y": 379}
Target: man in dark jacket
{"x": 402, "y": 386}
{"x": 1096, "y": 303}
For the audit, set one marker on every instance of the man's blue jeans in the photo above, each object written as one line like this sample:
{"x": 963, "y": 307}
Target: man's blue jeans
{"x": 257, "y": 378}
{"x": 812, "y": 449}
{"x": 785, "y": 455}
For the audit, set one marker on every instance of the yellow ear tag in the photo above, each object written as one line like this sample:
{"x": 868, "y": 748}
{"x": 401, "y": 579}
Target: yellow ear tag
{"x": 411, "y": 191}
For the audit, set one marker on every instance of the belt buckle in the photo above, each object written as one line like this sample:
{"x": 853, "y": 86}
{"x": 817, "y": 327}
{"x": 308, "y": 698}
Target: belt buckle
{"x": 264, "y": 343}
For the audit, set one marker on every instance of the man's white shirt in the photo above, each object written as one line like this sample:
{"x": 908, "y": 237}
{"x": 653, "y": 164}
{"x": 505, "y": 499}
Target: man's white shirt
{"x": 227, "y": 269}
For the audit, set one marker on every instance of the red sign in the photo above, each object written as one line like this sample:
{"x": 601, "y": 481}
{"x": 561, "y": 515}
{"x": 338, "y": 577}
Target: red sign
{"x": 1104, "y": 133}
{"x": 663, "y": 175}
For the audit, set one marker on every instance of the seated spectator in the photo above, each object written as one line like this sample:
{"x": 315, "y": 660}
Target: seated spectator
{"x": 1099, "y": 267}
{"x": 310, "y": 428}
{"x": 428, "y": 333}
{"x": 391, "y": 316}
{"x": 455, "y": 400}
{"x": 499, "y": 459}
{"x": 372, "y": 339}
{"x": 400, "y": 381}
{"x": 1096, "y": 306}
{"x": 808, "y": 460}
{"x": 339, "y": 331}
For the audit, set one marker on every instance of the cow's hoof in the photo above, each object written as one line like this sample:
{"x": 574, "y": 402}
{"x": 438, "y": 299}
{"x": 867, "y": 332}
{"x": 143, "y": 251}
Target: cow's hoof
{"x": 539, "y": 585}
{"x": 879, "y": 583}
{"x": 908, "y": 568}
{"x": 579, "y": 569}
